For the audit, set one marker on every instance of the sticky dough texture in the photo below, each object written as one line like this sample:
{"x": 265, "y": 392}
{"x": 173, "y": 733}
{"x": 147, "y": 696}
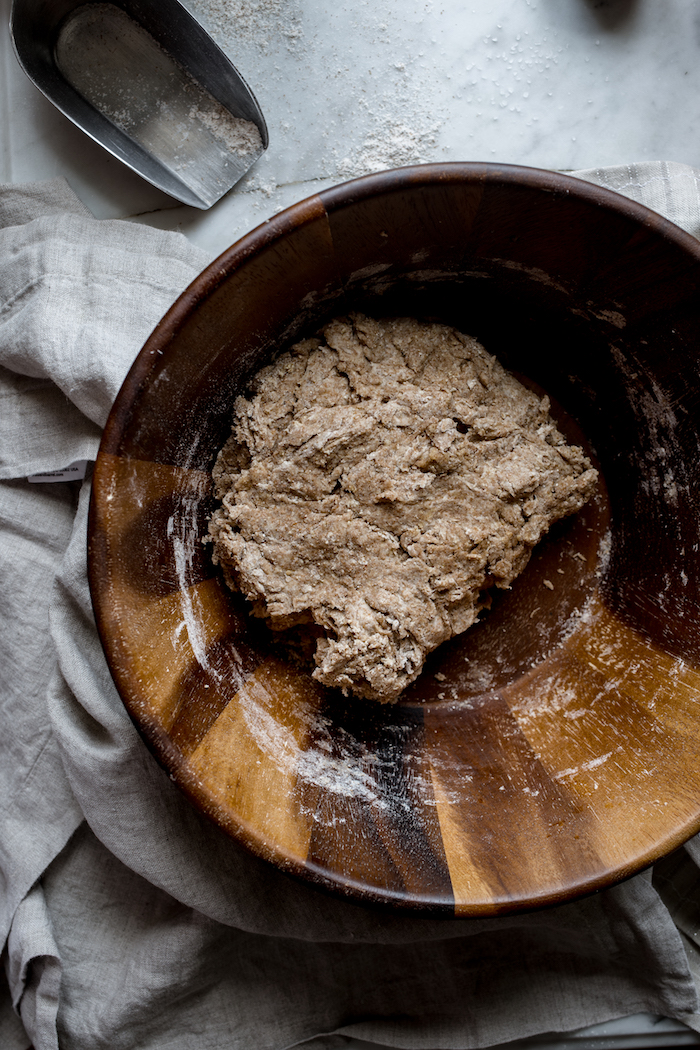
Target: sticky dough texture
{"x": 377, "y": 482}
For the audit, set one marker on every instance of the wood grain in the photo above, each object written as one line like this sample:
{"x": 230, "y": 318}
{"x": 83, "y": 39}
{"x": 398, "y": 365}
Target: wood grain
{"x": 554, "y": 748}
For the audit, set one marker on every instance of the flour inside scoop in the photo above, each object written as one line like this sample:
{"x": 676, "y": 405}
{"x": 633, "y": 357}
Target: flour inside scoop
{"x": 378, "y": 482}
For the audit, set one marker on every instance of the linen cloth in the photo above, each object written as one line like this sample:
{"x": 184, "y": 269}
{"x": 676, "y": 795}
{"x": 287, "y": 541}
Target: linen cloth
{"x": 129, "y": 920}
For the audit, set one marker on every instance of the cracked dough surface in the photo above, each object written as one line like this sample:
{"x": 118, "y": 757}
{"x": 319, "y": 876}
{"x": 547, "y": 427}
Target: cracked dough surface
{"x": 378, "y": 480}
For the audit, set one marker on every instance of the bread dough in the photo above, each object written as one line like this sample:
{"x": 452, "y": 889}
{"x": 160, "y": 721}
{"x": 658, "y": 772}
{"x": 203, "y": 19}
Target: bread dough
{"x": 377, "y": 482}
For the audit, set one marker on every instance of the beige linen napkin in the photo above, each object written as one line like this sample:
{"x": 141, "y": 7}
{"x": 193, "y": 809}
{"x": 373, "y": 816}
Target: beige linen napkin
{"x": 131, "y": 921}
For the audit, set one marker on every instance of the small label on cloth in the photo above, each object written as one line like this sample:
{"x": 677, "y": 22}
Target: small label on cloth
{"x": 75, "y": 472}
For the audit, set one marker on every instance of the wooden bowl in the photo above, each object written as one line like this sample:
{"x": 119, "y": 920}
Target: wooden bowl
{"x": 553, "y": 749}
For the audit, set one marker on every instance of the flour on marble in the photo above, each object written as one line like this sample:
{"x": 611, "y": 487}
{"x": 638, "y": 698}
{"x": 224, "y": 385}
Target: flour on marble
{"x": 263, "y": 23}
{"x": 377, "y": 117}
{"x": 390, "y": 143}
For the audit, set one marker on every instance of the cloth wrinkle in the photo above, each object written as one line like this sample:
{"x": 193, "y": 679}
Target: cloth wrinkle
{"x": 19, "y": 295}
{"x": 130, "y": 919}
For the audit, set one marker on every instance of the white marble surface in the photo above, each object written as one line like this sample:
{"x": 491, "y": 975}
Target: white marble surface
{"x": 352, "y": 86}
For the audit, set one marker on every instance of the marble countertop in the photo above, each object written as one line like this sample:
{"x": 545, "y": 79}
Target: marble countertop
{"x": 361, "y": 85}
{"x": 357, "y": 86}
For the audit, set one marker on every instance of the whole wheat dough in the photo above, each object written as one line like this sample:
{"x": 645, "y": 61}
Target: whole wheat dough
{"x": 377, "y": 482}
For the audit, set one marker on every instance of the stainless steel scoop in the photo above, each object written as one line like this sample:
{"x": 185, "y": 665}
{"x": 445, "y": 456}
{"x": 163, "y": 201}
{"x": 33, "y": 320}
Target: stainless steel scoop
{"x": 146, "y": 81}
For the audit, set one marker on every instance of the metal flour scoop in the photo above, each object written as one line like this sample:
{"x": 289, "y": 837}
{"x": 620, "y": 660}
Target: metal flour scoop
{"x": 144, "y": 79}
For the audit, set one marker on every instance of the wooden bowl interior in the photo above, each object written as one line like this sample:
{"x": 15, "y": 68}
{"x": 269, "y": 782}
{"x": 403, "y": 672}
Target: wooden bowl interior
{"x": 549, "y": 751}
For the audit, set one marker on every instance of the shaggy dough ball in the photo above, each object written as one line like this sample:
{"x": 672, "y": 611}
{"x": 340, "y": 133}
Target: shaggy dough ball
{"x": 377, "y": 482}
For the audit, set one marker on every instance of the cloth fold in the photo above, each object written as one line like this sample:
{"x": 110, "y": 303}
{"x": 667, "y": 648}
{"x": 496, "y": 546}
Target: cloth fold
{"x": 78, "y": 300}
{"x": 34, "y": 969}
{"x": 669, "y": 188}
{"x": 129, "y": 919}
{"x": 185, "y": 980}
{"x": 39, "y": 811}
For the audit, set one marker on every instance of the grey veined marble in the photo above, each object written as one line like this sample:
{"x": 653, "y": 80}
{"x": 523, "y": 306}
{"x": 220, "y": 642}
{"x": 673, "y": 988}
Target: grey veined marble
{"x": 356, "y": 86}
